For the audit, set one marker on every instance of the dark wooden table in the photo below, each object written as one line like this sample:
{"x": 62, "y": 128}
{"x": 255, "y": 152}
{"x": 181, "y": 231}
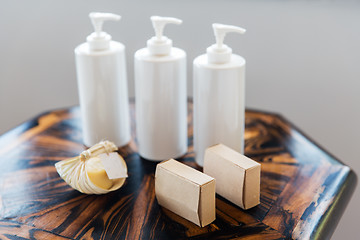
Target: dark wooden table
{"x": 304, "y": 189}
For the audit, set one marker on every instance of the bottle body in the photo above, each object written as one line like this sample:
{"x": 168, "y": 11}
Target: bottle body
{"x": 161, "y": 104}
{"x": 103, "y": 94}
{"x": 219, "y": 105}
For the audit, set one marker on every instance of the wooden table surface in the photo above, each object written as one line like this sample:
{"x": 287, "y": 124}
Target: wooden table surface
{"x": 304, "y": 189}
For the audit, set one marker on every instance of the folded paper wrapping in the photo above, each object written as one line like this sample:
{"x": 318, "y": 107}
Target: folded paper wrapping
{"x": 237, "y": 176}
{"x": 185, "y": 191}
{"x": 74, "y": 171}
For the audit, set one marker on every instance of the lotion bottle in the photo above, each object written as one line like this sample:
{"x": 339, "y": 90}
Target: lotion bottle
{"x": 219, "y": 96}
{"x": 160, "y": 96}
{"x": 102, "y": 83}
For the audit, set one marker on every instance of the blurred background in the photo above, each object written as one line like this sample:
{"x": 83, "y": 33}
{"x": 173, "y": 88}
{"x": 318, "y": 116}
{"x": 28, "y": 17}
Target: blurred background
{"x": 302, "y": 60}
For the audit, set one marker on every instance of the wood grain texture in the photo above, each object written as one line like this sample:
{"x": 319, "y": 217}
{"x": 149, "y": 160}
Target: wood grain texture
{"x": 304, "y": 189}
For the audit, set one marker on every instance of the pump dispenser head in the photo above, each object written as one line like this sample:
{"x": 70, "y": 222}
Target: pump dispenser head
{"x": 219, "y": 52}
{"x": 100, "y": 40}
{"x": 159, "y": 44}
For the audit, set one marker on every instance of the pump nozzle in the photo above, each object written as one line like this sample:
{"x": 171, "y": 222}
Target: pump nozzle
{"x": 219, "y": 52}
{"x": 161, "y": 45}
{"x": 98, "y": 19}
{"x": 160, "y": 22}
{"x": 100, "y": 40}
{"x": 220, "y": 31}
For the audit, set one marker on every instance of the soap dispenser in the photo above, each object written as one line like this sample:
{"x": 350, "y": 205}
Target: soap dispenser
{"x": 160, "y": 96}
{"x": 219, "y": 96}
{"x": 102, "y": 83}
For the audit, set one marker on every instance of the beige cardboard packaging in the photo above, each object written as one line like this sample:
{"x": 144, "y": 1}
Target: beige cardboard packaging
{"x": 185, "y": 191}
{"x": 237, "y": 176}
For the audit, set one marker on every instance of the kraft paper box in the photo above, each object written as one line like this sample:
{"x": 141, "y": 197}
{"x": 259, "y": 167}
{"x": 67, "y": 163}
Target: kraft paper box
{"x": 237, "y": 176}
{"x": 185, "y": 191}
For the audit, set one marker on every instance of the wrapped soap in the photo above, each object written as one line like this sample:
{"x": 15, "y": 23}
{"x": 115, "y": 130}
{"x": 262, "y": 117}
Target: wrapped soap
{"x": 185, "y": 191}
{"x": 98, "y": 170}
{"x": 237, "y": 176}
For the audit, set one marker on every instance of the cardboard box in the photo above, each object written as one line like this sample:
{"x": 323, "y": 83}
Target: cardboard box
{"x": 237, "y": 176}
{"x": 185, "y": 191}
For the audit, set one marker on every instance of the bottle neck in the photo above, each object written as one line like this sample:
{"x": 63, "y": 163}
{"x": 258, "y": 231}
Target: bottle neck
{"x": 159, "y": 46}
{"x": 219, "y": 55}
{"x": 99, "y": 42}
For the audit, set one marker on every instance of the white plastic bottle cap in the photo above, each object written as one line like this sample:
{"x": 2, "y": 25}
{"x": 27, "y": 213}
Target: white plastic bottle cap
{"x": 100, "y": 40}
{"x": 159, "y": 44}
{"x": 219, "y": 52}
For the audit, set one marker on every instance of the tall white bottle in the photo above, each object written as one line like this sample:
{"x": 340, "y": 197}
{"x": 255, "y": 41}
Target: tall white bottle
{"x": 103, "y": 92}
{"x": 161, "y": 100}
{"x": 219, "y": 95}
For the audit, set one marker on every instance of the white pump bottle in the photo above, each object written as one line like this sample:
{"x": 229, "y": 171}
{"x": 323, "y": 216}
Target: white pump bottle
{"x": 102, "y": 83}
{"x": 219, "y": 96}
{"x": 160, "y": 91}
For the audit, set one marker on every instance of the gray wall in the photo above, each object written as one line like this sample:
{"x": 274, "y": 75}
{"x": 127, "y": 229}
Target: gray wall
{"x": 302, "y": 59}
